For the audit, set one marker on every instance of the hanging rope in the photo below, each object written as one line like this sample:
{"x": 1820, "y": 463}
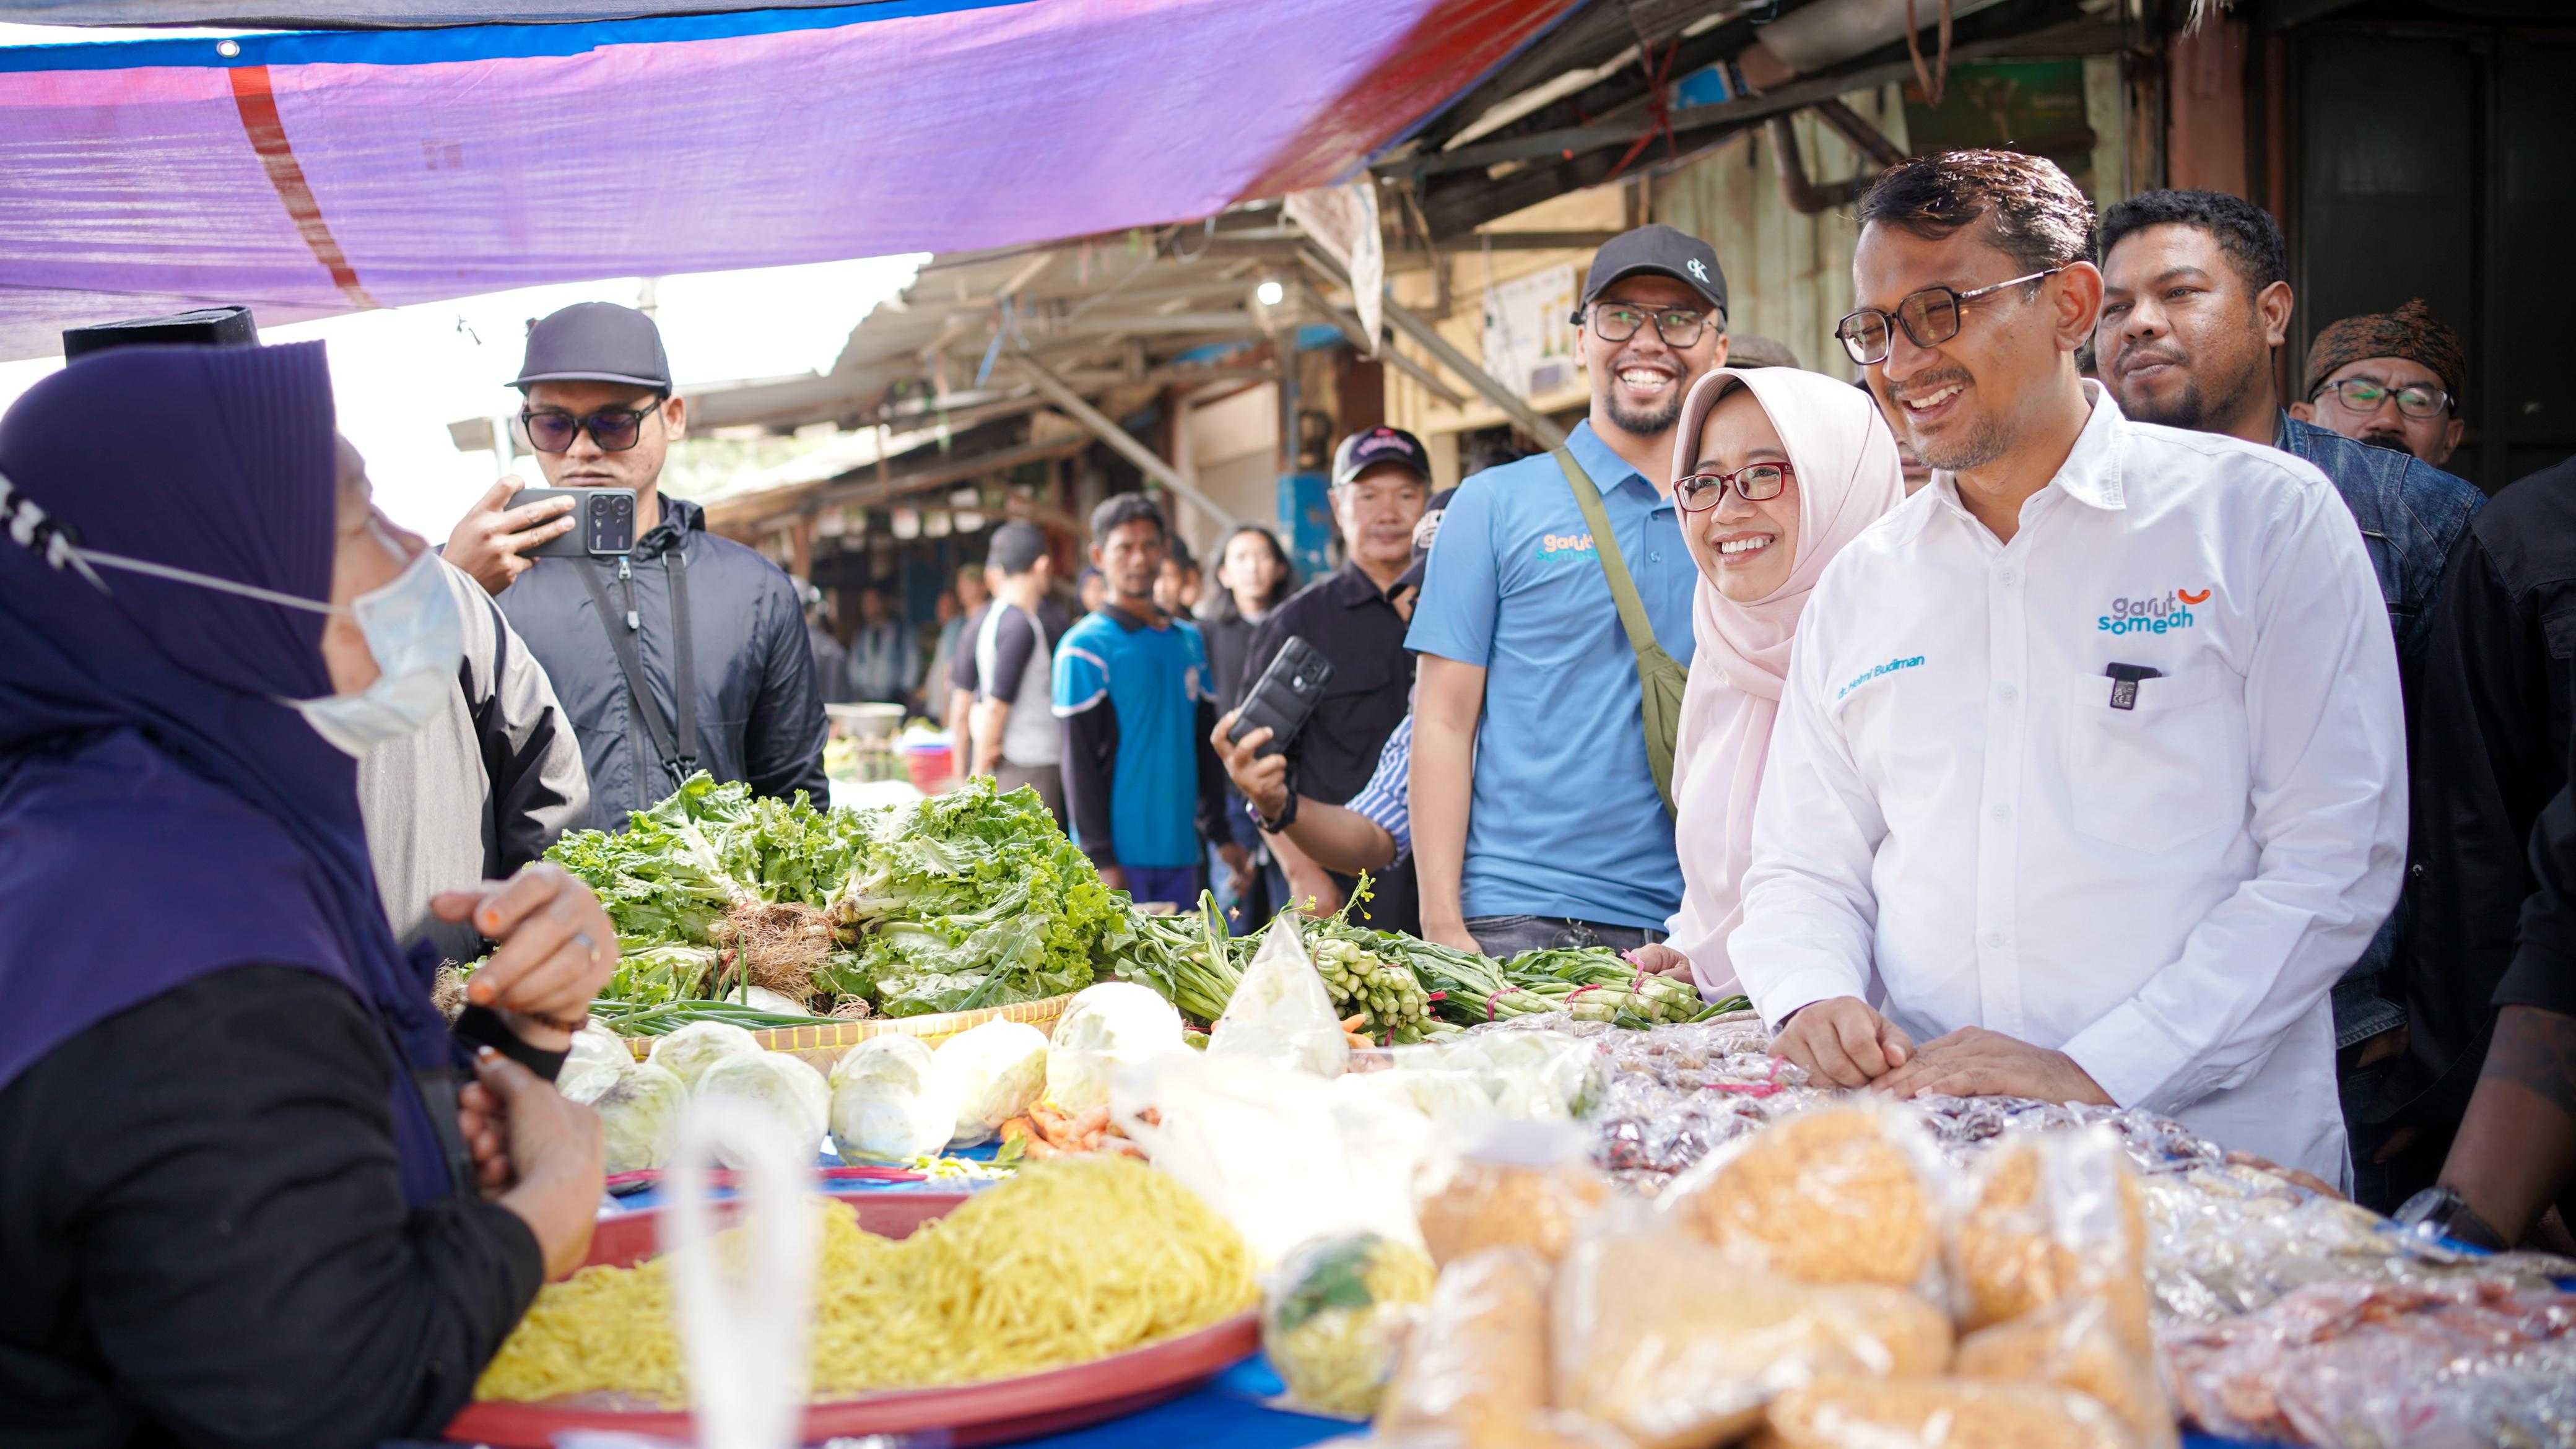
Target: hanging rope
{"x": 1659, "y": 110}
{"x": 1934, "y": 79}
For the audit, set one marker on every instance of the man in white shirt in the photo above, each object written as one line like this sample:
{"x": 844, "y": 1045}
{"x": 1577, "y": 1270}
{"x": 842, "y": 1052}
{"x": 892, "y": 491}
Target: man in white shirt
{"x": 2091, "y": 771}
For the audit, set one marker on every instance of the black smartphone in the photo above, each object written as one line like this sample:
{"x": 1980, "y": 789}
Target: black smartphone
{"x": 1284, "y": 695}
{"x": 603, "y": 521}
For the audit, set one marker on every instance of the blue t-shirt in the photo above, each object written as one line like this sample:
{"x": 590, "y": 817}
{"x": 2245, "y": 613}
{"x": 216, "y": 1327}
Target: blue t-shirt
{"x": 1153, "y": 678}
{"x": 1565, "y": 819}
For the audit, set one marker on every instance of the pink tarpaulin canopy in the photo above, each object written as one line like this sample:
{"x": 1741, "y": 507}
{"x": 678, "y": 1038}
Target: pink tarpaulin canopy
{"x": 314, "y": 173}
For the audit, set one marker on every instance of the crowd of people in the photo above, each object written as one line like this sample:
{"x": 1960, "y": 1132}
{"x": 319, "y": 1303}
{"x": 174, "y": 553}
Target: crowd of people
{"x": 2061, "y": 712}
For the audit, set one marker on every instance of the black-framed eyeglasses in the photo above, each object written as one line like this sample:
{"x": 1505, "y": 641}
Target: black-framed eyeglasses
{"x": 2365, "y": 394}
{"x": 614, "y": 429}
{"x": 1930, "y": 317}
{"x": 1754, "y": 483}
{"x": 1678, "y": 326}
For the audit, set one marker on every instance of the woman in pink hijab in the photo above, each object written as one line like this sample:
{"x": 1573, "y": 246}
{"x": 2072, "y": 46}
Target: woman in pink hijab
{"x": 1775, "y": 470}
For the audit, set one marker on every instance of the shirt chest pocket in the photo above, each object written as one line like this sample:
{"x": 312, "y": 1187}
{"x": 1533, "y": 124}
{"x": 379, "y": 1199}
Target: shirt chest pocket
{"x": 2165, "y": 771}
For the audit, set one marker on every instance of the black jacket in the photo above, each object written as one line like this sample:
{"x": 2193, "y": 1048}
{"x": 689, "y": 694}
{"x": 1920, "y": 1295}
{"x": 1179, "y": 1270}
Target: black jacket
{"x": 759, "y": 714}
{"x": 2490, "y": 749}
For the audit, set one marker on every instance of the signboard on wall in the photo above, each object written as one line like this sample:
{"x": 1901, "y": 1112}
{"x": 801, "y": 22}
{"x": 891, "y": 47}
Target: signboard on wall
{"x": 1343, "y": 221}
{"x": 1529, "y": 348}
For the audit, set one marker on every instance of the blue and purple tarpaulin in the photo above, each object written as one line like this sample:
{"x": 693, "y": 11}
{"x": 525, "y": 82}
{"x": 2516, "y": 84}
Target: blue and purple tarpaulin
{"x": 309, "y": 173}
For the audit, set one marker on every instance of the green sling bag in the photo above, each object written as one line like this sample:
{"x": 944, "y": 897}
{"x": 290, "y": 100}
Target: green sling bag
{"x": 1661, "y": 679}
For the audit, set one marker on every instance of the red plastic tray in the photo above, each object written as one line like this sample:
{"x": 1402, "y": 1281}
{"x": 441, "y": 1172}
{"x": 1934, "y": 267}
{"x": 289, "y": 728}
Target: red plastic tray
{"x": 992, "y": 1413}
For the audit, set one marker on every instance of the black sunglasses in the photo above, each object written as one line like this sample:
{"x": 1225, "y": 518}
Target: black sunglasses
{"x": 614, "y": 429}
{"x": 1930, "y": 317}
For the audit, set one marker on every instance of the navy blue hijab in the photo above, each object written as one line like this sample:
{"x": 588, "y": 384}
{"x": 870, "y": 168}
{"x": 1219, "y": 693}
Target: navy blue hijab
{"x": 162, "y": 815}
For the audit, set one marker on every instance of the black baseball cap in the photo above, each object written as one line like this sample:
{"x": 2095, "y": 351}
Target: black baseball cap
{"x": 1662, "y": 250}
{"x": 1411, "y": 578}
{"x": 203, "y": 327}
{"x": 1369, "y": 447}
{"x": 595, "y": 342}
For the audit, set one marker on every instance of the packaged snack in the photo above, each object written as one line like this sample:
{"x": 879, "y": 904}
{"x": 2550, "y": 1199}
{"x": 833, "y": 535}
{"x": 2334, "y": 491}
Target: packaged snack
{"x": 1679, "y": 1347}
{"x": 1841, "y": 1194}
{"x": 1938, "y": 1413}
{"x": 2071, "y": 1343}
{"x": 1517, "y": 1184}
{"x": 1334, "y": 1316}
{"x": 2055, "y": 1215}
{"x": 1474, "y": 1368}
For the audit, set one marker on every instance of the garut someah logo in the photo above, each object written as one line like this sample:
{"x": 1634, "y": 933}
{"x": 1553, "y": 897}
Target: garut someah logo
{"x": 2161, "y": 614}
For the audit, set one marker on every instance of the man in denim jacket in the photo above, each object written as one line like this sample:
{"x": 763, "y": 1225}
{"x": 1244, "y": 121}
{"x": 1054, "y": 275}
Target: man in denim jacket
{"x": 2193, "y": 306}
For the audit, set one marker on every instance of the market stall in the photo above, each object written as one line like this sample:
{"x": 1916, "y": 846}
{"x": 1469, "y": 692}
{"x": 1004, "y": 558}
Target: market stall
{"x": 1080, "y": 1160}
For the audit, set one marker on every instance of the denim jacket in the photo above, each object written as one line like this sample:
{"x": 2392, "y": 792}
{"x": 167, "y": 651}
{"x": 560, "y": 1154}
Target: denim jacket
{"x": 2410, "y": 514}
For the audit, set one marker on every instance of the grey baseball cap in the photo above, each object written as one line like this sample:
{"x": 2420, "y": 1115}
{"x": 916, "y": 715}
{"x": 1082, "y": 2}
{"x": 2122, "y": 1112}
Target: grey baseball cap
{"x": 595, "y": 342}
{"x": 1662, "y": 250}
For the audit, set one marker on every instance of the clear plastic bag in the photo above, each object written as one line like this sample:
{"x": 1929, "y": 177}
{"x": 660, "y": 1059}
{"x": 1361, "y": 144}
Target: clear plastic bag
{"x": 2054, "y": 1215}
{"x": 1677, "y": 1346}
{"x": 1474, "y": 1369}
{"x": 2370, "y": 1365}
{"x": 1279, "y": 1152}
{"x": 1282, "y": 1013}
{"x": 1938, "y": 1413}
{"x": 2072, "y": 1344}
{"x": 1845, "y": 1193}
{"x": 1334, "y": 1315}
{"x": 1510, "y": 1185}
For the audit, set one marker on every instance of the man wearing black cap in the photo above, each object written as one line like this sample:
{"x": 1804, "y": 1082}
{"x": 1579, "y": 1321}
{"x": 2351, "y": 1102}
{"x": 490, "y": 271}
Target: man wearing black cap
{"x": 688, "y": 654}
{"x": 1559, "y": 833}
{"x": 1381, "y": 479}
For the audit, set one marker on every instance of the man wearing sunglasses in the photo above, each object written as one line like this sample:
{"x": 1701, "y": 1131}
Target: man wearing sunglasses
{"x": 1558, "y": 833}
{"x": 688, "y": 654}
{"x": 2089, "y": 775}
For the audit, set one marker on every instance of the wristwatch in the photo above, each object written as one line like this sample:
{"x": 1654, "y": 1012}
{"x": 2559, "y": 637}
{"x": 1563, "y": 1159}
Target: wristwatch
{"x": 1287, "y": 815}
{"x": 2440, "y": 1212}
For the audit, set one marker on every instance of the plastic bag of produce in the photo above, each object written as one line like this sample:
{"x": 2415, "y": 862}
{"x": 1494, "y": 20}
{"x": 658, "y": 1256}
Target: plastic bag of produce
{"x": 2054, "y": 1215}
{"x": 993, "y": 1073}
{"x": 1678, "y": 1346}
{"x": 2071, "y": 1343}
{"x": 1511, "y": 1184}
{"x": 689, "y": 1051}
{"x": 1282, "y": 1013}
{"x": 1283, "y": 1154}
{"x": 1849, "y": 1193}
{"x": 889, "y": 1103}
{"x": 1532, "y": 1075}
{"x": 1938, "y": 1413}
{"x": 1475, "y": 1366}
{"x": 639, "y": 1118}
{"x": 774, "y": 1088}
{"x": 1106, "y": 1028}
{"x": 1333, "y": 1316}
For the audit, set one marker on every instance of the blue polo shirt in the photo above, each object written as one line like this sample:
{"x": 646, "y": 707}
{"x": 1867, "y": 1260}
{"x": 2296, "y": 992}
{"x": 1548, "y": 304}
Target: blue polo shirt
{"x": 1140, "y": 684}
{"x": 1565, "y": 819}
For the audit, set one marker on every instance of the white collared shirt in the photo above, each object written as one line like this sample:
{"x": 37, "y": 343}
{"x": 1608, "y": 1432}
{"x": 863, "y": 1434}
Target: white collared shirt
{"x": 1956, "y": 819}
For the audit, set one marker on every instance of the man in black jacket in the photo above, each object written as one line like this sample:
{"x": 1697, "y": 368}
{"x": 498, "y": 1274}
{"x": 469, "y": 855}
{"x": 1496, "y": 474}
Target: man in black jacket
{"x": 688, "y": 655}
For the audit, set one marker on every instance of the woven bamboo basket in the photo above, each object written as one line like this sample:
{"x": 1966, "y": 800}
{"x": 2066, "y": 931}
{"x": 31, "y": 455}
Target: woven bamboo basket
{"x": 823, "y": 1043}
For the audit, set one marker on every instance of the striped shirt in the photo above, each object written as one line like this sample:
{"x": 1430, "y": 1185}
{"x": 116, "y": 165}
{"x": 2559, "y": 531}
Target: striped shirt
{"x": 1384, "y": 801}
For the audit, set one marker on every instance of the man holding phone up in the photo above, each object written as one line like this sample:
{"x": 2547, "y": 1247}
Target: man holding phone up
{"x": 686, "y": 654}
{"x": 1380, "y": 483}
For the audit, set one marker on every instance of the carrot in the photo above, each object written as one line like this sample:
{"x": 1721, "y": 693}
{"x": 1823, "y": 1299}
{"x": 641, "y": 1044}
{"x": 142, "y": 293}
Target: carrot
{"x": 1090, "y": 1122}
{"x": 1358, "y": 1041}
{"x": 1355, "y": 1023}
{"x": 1049, "y": 1122}
{"x": 1121, "y": 1147}
{"x": 1016, "y": 1128}
{"x": 1039, "y": 1149}
{"x": 1151, "y": 1116}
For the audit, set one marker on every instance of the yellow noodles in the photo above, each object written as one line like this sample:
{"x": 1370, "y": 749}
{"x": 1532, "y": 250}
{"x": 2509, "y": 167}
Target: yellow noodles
{"x": 1068, "y": 1262}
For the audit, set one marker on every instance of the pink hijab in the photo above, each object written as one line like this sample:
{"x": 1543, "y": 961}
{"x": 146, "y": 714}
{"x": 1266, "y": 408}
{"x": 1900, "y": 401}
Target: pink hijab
{"x": 1848, "y": 476}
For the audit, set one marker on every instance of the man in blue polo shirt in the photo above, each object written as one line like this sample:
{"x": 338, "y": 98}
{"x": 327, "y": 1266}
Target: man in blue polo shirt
{"x": 1556, "y": 833}
{"x": 1131, "y": 687}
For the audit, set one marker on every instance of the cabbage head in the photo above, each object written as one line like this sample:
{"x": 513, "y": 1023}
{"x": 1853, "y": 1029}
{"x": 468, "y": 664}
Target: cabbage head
{"x": 889, "y": 1103}
{"x": 639, "y": 1118}
{"x": 1105, "y": 1028}
{"x": 994, "y": 1072}
{"x": 777, "y": 1087}
{"x": 594, "y": 1063}
{"x": 692, "y": 1049}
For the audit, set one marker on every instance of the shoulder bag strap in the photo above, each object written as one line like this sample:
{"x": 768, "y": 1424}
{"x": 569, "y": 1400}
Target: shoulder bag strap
{"x": 684, "y": 670}
{"x": 622, "y": 643}
{"x": 1605, "y": 544}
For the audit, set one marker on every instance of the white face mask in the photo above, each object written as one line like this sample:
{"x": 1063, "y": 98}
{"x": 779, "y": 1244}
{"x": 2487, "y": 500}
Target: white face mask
{"x": 411, "y": 626}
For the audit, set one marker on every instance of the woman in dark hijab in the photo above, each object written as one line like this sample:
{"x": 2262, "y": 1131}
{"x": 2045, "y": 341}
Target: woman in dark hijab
{"x": 245, "y": 1200}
